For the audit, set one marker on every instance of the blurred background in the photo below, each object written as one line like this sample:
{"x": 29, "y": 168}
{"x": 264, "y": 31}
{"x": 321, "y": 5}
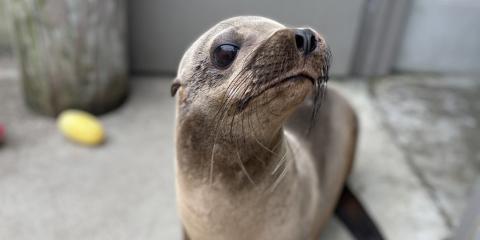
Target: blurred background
{"x": 410, "y": 67}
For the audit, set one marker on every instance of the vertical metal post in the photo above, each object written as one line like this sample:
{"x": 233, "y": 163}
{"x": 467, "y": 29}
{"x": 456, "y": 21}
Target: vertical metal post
{"x": 379, "y": 37}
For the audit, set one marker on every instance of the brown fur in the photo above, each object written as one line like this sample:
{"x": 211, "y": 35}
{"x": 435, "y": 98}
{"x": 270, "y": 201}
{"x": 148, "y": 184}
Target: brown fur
{"x": 243, "y": 172}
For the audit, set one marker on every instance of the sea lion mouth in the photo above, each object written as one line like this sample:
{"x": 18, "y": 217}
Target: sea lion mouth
{"x": 295, "y": 78}
{"x": 291, "y": 78}
{"x": 272, "y": 84}
{"x": 306, "y": 72}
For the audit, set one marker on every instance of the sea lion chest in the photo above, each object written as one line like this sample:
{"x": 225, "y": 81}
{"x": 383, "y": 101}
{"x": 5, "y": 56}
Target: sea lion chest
{"x": 286, "y": 212}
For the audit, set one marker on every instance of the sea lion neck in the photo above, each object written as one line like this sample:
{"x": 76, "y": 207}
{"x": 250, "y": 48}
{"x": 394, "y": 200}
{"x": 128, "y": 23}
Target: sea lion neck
{"x": 235, "y": 160}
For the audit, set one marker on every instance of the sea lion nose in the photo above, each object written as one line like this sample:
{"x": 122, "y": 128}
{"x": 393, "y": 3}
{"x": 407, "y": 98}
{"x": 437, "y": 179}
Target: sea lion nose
{"x": 305, "y": 40}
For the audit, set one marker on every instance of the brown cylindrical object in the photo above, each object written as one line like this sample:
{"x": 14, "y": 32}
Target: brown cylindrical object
{"x": 72, "y": 54}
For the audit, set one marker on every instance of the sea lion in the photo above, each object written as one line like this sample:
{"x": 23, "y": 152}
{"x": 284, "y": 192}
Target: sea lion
{"x": 255, "y": 157}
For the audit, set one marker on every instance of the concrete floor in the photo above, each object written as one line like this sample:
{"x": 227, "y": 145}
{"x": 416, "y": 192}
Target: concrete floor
{"x": 416, "y": 162}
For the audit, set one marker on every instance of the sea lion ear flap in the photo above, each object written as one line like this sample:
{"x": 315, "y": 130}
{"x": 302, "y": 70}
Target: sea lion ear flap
{"x": 174, "y": 88}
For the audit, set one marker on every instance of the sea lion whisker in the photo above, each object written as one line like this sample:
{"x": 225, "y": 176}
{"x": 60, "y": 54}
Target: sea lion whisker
{"x": 257, "y": 118}
{"x": 253, "y": 131}
{"x": 320, "y": 87}
{"x": 240, "y": 163}
{"x": 279, "y": 178}
{"x": 235, "y": 85}
{"x": 223, "y": 116}
{"x": 245, "y": 88}
{"x": 223, "y": 111}
{"x": 263, "y": 146}
{"x": 271, "y": 75}
{"x": 253, "y": 134}
{"x": 282, "y": 70}
{"x": 216, "y": 132}
{"x": 266, "y": 101}
{"x": 257, "y": 140}
{"x": 211, "y": 163}
{"x": 231, "y": 128}
{"x": 279, "y": 163}
{"x": 284, "y": 162}
{"x": 243, "y": 134}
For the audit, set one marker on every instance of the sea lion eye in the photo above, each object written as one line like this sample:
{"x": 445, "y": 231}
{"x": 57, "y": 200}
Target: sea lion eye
{"x": 224, "y": 55}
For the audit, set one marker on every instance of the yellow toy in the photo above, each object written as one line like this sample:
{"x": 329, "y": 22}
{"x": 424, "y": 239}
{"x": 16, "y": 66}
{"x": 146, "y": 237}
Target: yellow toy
{"x": 81, "y": 127}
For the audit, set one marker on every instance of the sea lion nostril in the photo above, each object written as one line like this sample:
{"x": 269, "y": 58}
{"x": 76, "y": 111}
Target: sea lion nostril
{"x": 299, "y": 41}
{"x": 305, "y": 40}
{"x": 313, "y": 43}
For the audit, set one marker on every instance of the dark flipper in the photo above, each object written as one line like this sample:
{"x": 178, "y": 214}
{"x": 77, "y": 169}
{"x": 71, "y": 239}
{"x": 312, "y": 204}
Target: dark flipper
{"x": 351, "y": 212}
{"x": 185, "y": 235}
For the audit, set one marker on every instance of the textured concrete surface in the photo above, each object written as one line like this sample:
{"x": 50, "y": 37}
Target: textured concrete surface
{"x": 469, "y": 227}
{"x": 416, "y": 161}
{"x": 383, "y": 179}
{"x": 435, "y": 121}
{"x": 53, "y": 189}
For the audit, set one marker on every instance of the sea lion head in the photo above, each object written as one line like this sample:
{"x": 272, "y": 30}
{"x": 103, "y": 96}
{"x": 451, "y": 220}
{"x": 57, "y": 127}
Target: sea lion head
{"x": 251, "y": 71}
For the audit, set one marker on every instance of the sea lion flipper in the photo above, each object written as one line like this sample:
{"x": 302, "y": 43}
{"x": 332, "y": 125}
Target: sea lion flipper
{"x": 185, "y": 235}
{"x": 354, "y": 216}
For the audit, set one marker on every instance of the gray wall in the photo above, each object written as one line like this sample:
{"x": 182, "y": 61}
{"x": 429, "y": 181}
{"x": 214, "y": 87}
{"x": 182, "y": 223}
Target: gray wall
{"x": 160, "y": 31}
{"x": 381, "y": 32}
{"x": 4, "y": 33}
{"x": 442, "y": 36}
